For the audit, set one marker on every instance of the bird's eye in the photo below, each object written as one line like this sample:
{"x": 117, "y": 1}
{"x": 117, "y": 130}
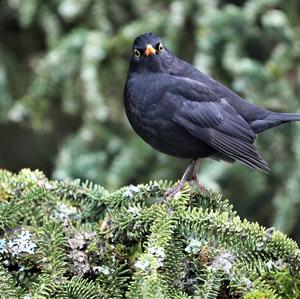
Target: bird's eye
{"x": 136, "y": 53}
{"x": 160, "y": 47}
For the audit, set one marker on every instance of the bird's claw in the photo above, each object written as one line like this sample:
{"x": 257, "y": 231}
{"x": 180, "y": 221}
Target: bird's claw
{"x": 174, "y": 190}
{"x": 202, "y": 188}
{"x": 171, "y": 192}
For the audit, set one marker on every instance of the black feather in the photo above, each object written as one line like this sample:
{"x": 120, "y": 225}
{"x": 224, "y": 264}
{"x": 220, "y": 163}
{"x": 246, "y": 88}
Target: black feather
{"x": 273, "y": 119}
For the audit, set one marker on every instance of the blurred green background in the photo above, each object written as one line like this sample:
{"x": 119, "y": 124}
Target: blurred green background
{"x": 63, "y": 65}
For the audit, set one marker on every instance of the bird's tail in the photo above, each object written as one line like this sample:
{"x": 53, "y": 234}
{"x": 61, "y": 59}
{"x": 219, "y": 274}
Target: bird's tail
{"x": 273, "y": 119}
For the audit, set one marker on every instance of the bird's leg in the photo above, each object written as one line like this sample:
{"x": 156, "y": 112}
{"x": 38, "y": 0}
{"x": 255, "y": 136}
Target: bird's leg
{"x": 172, "y": 191}
{"x": 195, "y": 177}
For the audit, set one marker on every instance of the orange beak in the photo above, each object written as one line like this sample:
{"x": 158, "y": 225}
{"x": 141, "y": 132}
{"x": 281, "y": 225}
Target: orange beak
{"x": 149, "y": 50}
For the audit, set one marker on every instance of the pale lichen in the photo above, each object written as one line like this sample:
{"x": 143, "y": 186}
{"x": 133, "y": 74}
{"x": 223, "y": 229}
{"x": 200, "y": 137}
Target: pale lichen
{"x": 65, "y": 212}
{"x": 193, "y": 247}
{"x": 130, "y": 191}
{"x": 224, "y": 261}
{"x": 102, "y": 269}
{"x": 20, "y": 245}
{"x": 135, "y": 211}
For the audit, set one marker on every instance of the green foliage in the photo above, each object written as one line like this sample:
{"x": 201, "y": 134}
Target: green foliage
{"x": 63, "y": 65}
{"x": 263, "y": 294}
{"x": 284, "y": 283}
{"x": 80, "y": 241}
{"x": 9, "y": 289}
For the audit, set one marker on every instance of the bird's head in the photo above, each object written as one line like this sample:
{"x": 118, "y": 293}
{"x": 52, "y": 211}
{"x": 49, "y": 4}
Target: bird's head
{"x": 149, "y": 53}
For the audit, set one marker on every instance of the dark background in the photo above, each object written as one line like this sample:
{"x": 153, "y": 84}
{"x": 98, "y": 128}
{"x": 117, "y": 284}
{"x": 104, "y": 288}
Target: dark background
{"x": 63, "y": 65}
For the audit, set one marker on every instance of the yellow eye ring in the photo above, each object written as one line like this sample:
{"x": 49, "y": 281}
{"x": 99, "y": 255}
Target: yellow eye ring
{"x": 136, "y": 52}
{"x": 160, "y": 47}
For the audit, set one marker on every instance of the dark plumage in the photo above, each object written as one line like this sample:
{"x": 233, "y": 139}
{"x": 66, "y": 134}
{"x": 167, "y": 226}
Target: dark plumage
{"x": 182, "y": 112}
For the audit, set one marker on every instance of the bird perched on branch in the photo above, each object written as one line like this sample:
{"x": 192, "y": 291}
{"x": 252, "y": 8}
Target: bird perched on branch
{"x": 182, "y": 112}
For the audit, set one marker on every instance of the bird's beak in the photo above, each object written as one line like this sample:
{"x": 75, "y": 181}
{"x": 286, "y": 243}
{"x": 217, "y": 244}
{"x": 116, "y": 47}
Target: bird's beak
{"x": 149, "y": 50}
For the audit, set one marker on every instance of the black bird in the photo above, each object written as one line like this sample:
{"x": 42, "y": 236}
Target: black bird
{"x": 182, "y": 112}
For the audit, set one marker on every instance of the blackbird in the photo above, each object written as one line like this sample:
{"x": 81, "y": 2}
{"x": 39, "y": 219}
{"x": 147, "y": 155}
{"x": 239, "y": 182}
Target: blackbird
{"x": 182, "y": 112}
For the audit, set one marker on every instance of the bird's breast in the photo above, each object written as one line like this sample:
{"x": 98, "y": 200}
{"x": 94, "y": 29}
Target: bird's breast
{"x": 152, "y": 119}
{"x": 143, "y": 110}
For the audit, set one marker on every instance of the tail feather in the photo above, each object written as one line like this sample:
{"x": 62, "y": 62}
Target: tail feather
{"x": 273, "y": 119}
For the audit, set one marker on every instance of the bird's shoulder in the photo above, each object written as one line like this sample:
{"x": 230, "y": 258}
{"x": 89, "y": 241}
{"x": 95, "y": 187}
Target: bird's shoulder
{"x": 247, "y": 110}
{"x": 190, "y": 89}
{"x": 198, "y": 104}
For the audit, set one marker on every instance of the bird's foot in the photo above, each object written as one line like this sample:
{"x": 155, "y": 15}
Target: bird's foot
{"x": 171, "y": 192}
{"x": 202, "y": 188}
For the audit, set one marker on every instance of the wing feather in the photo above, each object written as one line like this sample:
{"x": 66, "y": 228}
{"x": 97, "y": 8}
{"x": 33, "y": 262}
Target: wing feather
{"x": 215, "y": 122}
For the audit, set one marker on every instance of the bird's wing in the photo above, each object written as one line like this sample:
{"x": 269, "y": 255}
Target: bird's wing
{"x": 215, "y": 122}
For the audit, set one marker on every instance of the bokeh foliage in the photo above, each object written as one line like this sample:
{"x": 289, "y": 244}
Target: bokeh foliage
{"x": 63, "y": 65}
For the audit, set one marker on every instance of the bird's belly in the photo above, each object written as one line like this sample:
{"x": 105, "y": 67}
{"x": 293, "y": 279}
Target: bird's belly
{"x": 171, "y": 139}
